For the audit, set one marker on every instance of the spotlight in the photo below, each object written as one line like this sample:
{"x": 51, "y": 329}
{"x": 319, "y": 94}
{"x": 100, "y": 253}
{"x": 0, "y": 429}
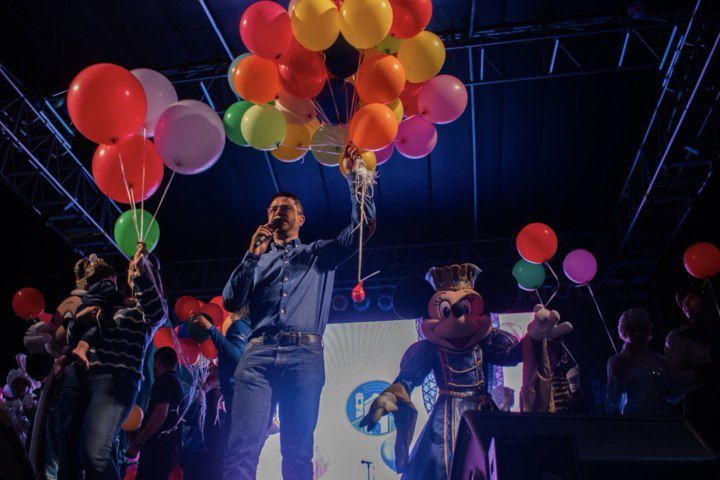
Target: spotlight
{"x": 339, "y": 303}
{"x": 385, "y": 302}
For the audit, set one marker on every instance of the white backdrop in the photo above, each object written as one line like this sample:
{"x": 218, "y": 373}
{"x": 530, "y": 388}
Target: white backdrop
{"x": 355, "y": 353}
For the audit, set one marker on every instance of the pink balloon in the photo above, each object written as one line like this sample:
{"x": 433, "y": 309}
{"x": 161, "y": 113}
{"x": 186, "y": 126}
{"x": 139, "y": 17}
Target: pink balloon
{"x": 384, "y": 155}
{"x": 580, "y": 266}
{"x": 160, "y": 94}
{"x": 442, "y": 99}
{"x": 265, "y": 29}
{"x": 295, "y": 110}
{"x": 416, "y": 137}
{"x": 189, "y": 137}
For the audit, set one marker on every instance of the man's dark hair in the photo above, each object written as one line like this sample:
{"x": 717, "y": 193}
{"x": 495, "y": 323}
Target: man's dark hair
{"x": 289, "y": 195}
{"x": 167, "y": 357}
{"x": 690, "y": 289}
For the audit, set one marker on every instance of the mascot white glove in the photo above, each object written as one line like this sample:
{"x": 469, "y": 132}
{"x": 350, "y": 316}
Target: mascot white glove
{"x": 545, "y": 324}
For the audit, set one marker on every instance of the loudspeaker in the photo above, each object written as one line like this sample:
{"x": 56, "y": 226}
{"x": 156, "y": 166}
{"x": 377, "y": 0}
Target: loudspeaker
{"x": 509, "y": 446}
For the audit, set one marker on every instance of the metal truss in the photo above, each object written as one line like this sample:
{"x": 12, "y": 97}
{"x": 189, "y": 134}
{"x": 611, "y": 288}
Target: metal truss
{"x": 678, "y": 153}
{"x": 38, "y": 164}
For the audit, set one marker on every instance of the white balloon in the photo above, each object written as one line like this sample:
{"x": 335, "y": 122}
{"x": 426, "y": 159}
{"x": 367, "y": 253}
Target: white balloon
{"x": 160, "y": 94}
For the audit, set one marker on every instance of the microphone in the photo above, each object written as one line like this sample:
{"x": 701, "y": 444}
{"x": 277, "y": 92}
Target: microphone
{"x": 274, "y": 224}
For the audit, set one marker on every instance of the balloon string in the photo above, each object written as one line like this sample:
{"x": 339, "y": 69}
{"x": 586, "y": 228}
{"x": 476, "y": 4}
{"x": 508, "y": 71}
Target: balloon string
{"x": 128, "y": 190}
{"x": 347, "y": 106}
{"x": 567, "y": 350}
{"x": 332, "y": 95}
{"x": 712, "y": 291}
{"x": 142, "y": 189}
{"x": 602, "y": 318}
{"x": 557, "y": 283}
{"x": 539, "y": 297}
{"x": 321, "y": 112}
{"x": 162, "y": 199}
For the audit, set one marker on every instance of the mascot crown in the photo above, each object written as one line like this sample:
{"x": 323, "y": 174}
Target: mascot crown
{"x": 453, "y": 277}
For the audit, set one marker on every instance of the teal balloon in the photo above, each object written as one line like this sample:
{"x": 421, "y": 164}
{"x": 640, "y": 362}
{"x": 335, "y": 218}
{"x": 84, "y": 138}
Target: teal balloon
{"x": 530, "y": 276}
{"x": 232, "y": 120}
{"x": 126, "y": 236}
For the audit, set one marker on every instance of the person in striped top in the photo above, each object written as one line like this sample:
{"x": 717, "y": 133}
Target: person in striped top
{"x": 95, "y": 402}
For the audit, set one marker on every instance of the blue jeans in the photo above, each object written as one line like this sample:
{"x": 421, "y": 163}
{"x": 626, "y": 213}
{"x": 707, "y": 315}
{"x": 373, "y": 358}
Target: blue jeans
{"x": 290, "y": 377}
{"x": 92, "y": 407}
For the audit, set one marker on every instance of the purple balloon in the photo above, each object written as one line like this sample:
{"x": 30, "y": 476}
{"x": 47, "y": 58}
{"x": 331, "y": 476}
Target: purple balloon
{"x": 580, "y": 266}
{"x": 416, "y": 137}
{"x": 384, "y": 154}
{"x": 189, "y": 137}
{"x": 442, "y": 99}
{"x": 160, "y": 94}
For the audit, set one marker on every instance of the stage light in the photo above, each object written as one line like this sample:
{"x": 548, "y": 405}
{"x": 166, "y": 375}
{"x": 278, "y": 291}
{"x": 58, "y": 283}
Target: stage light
{"x": 385, "y": 303}
{"x": 363, "y": 305}
{"x": 339, "y": 303}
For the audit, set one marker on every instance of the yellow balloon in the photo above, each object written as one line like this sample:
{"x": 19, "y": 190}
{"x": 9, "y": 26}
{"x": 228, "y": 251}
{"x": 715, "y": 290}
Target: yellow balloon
{"x": 315, "y": 23}
{"x": 365, "y": 23}
{"x": 297, "y": 141}
{"x": 422, "y": 56}
{"x": 328, "y": 143}
{"x": 368, "y": 157}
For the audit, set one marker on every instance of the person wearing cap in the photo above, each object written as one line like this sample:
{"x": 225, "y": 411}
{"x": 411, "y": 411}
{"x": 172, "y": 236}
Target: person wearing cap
{"x": 693, "y": 356}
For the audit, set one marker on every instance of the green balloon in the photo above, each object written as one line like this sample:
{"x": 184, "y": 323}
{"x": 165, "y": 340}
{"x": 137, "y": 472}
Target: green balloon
{"x": 126, "y": 236}
{"x": 231, "y": 71}
{"x": 232, "y": 120}
{"x": 264, "y": 127}
{"x": 389, "y": 45}
{"x": 530, "y": 276}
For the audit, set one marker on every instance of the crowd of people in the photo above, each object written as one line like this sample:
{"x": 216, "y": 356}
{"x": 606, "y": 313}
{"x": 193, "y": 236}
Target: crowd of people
{"x": 70, "y": 400}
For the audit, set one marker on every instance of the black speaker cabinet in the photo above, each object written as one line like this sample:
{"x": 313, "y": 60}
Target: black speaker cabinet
{"x": 503, "y": 446}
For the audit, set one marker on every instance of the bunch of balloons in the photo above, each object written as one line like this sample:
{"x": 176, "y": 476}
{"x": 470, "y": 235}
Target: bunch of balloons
{"x": 187, "y": 339}
{"x": 139, "y": 124}
{"x": 372, "y": 60}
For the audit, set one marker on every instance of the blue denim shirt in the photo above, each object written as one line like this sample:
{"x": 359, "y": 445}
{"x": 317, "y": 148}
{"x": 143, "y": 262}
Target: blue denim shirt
{"x": 290, "y": 287}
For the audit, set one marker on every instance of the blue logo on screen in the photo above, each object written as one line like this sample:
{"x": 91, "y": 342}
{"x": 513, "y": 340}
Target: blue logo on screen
{"x": 358, "y": 404}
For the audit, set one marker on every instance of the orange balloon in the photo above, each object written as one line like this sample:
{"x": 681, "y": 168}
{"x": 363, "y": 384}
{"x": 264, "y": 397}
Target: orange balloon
{"x": 256, "y": 79}
{"x": 373, "y": 127}
{"x": 226, "y": 324}
{"x": 134, "y": 420}
{"x": 380, "y": 79}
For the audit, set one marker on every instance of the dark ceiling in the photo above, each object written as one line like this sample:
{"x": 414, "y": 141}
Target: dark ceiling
{"x": 547, "y": 150}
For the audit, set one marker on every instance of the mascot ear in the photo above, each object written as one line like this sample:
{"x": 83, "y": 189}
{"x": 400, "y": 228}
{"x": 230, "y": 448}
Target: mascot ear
{"x": 411, "y": 296}
{"x": 499, "y": 290}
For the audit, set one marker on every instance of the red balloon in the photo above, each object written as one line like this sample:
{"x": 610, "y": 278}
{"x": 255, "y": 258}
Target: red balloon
{"x": 189, "y": 351}
{"x": 702, "y": 260}
{"x": 28, "y": 303}
{"x": 106, "y": 103}
{"x": 176, "y": 474}
{"x": 219, "y": 302}
{"x": 265, "y": 29}
{"x": 135, "y": 152}
{"x": 164, "y": 338}
{"x": 208, "y": 350}
{"x": 358, "y": 293}
{"x": 536, "y": 243}
{"x": 302, "y": 73}
{"x": 409, "y": 98}
{"x": 215, "y": 312}
{"x": 45, "y": 318}
{"x": 185, "y": 306}
{"x": 410, "y": 17}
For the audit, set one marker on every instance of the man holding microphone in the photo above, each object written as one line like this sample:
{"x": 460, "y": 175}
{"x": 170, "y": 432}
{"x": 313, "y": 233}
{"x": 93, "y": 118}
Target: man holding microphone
{"x": 288, "y": 287}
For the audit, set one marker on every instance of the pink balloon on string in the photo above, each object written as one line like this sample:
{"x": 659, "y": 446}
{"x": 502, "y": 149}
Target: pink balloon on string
{"x": 189, "y": 137}
{"x": 416, "y": 137}
{"x": 295, "y": 110}
{"x": 580, "y": 266}
{"x": 160, "y": 94}
{"x": 382, "y": 156}
{"x": 442, "y": 99}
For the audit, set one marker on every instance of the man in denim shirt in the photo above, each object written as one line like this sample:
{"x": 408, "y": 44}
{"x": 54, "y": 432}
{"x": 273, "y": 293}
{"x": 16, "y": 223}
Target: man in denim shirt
{"x": 288, "y": 287}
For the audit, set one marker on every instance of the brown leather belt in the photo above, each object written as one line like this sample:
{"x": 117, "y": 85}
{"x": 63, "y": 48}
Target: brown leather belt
{"x": 286, "y": 338}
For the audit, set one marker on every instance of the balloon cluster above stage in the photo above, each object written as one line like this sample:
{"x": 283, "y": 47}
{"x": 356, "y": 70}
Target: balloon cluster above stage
{"x": 326, "y": 73}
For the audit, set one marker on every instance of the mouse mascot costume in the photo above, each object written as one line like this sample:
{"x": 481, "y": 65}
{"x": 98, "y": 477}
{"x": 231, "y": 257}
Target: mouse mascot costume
{"x": 458, "y": 346}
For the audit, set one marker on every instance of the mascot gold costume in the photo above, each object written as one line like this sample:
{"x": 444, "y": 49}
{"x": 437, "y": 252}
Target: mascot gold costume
{"x": 459, "y": 344}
